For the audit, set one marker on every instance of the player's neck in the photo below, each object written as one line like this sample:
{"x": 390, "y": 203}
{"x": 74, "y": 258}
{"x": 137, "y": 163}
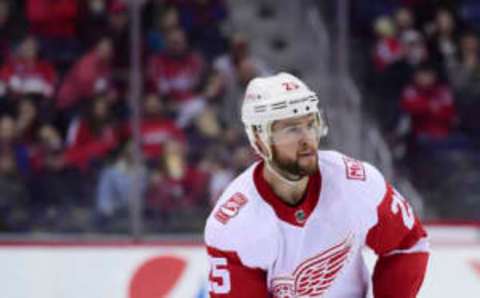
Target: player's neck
{"x": 291, "y": 192}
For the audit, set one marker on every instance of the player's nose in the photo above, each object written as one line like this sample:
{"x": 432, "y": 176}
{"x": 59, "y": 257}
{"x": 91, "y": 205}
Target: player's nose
{"x": 307, "y": 136}
{"x": 307, "y": 144}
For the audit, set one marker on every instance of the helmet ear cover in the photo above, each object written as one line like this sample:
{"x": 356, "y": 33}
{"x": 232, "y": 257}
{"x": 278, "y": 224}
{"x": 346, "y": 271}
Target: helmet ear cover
{"x": 259, "y": 133}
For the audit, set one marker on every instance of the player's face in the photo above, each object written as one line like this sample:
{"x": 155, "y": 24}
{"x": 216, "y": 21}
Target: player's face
{"x": 295, "y": 143}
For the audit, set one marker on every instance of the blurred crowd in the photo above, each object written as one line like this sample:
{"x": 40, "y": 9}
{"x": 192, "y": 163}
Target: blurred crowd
{"x": 66, "y": 150}
{"x": 423, "y": 86}
{"x": 67, "y": 159}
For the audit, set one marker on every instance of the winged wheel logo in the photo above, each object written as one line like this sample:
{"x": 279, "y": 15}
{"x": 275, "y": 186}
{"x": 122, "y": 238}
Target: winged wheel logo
{"x": 314, "y": 276}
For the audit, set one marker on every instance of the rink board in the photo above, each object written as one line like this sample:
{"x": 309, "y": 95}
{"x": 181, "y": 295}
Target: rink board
{"x": 78, "y": 270}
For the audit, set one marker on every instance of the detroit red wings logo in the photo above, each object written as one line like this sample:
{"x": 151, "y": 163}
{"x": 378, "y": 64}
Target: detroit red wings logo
{"x": 314, "y": 277}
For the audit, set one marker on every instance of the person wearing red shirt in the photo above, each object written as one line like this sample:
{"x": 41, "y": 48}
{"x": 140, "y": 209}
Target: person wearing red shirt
{"x": 90, "y": 76}
{"x": 429, "y": 104}
{"x": 156, "y": 129}
{"x": 176, "y": 72}
{"x": 26, "y": 73}
{"x": 91, "y": 138}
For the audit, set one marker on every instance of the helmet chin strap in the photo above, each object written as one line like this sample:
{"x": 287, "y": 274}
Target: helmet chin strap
{"x": 277, "y": 173}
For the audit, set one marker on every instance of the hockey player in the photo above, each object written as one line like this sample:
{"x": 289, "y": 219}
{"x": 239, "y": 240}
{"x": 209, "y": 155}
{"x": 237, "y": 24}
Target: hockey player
{"x": 295, "y": 223}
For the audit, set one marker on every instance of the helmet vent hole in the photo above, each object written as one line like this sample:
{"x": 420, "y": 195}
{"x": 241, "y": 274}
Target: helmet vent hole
{"x": 308, "y": 108}
{"x": 295, "y": 111}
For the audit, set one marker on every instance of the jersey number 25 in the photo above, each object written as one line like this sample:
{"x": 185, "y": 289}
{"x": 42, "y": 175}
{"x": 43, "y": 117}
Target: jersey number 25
{"x": 220, "y": 272}
{"x": 400, "y": 204}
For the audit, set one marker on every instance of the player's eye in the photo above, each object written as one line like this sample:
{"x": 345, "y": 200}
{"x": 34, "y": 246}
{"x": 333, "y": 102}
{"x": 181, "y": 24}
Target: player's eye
{"x": 292, "y": 129}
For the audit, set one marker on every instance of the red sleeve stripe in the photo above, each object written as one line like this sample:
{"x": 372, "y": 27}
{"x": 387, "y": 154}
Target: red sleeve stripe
{"x": 242, "y": 281}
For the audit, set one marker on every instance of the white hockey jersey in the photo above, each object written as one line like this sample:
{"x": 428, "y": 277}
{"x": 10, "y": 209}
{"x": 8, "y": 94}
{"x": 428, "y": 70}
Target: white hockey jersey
{"x": 259, "y": 246}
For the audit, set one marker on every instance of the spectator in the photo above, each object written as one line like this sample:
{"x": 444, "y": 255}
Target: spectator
{"x": 464, "y": 72}
{"x": 116, "y": 184}
{"x": 465, "y": 77}
{"x": 388, "y": 49}
{"x": 416, "y": 50}
{"x": 393, "y": 79}
{"x": 89, "y": 77}
{"x": 430, "y": 106}
{"x": 413, "y": 41}
{"x": 176, "y": 75}
{"x": 443, "y": 39}
{"x": 26, "y": 73}
{"x": 100, "y": 18}
{"x": 91, "y": 137}
{"x": 404, "y": 22}
{"x": 54, "y": 188}
{"x": 156, "y": 128}
{"x": 176, "y": 187}
{"x": 163, "y": 18}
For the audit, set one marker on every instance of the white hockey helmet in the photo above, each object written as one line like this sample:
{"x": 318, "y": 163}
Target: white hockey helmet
{"x": 273, "y": 98}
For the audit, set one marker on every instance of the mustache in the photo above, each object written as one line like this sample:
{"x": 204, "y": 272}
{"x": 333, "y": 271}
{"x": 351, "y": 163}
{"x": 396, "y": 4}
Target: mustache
{"x": 294, "y": 167}
{"x": 307, "y": 149}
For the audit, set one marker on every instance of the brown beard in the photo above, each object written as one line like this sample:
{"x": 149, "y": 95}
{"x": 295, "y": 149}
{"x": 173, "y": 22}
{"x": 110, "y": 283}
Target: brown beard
{"x": 293, "y": 167}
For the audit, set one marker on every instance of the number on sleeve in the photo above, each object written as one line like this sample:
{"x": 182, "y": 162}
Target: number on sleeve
{"x": 220, "y": 272}
{"x": 400, "y": 204}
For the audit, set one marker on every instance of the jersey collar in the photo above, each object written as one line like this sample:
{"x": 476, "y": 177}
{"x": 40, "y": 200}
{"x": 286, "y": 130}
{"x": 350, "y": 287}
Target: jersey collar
{"x": 298, "y": 214}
